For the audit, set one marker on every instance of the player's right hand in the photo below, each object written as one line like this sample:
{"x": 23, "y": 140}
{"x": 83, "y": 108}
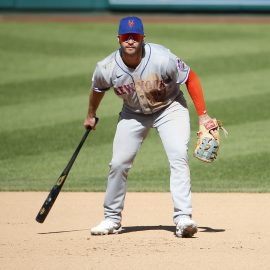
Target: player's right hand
{"x": 90, "y": 122}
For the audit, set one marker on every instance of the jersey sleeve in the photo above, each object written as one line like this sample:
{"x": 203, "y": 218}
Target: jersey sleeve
{"x": 177, "y": 69}
{"x": 101, "y": 80}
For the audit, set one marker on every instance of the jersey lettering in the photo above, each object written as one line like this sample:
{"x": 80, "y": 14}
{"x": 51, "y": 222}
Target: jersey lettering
{"x": 147, "y": 86}
{"x": 150, "y": 85}
{"x": 125, "y": 89}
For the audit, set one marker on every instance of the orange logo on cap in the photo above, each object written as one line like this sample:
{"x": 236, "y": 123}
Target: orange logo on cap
{"x": 130, "y": 23}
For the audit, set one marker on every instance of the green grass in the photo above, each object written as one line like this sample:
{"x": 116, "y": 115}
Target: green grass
{"x": 45, "y": 74}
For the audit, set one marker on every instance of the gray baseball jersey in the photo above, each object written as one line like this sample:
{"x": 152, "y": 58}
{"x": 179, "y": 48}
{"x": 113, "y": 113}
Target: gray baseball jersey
{"x": 153, "y": 85}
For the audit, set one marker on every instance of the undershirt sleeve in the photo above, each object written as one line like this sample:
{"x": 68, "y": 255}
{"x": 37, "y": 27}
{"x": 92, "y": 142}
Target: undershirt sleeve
{"x": 196, "y": 93}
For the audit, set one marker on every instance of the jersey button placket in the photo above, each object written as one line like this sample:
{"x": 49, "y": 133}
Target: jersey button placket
{"x": 141, "y": 95}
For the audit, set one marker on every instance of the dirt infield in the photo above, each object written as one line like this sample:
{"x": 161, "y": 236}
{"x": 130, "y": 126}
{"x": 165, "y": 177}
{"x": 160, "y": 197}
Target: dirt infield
{"x": 114, "y": 18}
{"x": 233, "y": 233}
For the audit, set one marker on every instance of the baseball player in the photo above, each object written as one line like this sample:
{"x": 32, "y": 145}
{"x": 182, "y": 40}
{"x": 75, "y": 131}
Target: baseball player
{"x": 147, "y": 77}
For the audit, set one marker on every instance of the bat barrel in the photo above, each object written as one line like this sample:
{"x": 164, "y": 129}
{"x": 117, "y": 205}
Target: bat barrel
{"x": 47, "y": 205}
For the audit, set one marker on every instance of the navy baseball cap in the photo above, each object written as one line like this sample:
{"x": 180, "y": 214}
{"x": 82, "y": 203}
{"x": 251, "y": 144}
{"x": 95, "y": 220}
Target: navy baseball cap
{"x": 131, "y": 25}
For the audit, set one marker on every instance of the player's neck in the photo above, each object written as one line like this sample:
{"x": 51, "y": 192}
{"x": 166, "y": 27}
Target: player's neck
{"x": 132, "y": 61}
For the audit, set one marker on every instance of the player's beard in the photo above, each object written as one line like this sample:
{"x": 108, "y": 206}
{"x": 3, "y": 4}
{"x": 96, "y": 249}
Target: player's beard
{"x": 132, "y": 50}
{"x": 132, "y": 55}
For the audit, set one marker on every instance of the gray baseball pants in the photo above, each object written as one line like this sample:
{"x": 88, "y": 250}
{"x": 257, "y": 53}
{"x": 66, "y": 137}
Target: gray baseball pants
{"x": 173, "y": 127}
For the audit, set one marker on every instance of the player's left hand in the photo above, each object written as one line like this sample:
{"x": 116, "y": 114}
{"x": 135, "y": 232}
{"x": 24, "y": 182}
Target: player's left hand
{"x": 204, "y": 118}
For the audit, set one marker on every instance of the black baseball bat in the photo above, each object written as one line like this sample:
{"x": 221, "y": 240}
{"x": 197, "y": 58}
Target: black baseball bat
{"x": 47, "y": 205}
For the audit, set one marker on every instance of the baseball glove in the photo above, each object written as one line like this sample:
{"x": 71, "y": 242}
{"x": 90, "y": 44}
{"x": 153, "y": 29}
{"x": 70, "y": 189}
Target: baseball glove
{"x": 208, "y": 140}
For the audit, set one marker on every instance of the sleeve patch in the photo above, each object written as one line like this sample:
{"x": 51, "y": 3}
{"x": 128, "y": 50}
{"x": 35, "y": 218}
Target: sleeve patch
{"x": 181, "y": 66}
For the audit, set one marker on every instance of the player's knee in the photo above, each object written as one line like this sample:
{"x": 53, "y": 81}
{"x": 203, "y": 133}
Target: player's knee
{"x": 179, "y": 154}
{"x": 179, "y": 160}
{"x": 118, "y": 165}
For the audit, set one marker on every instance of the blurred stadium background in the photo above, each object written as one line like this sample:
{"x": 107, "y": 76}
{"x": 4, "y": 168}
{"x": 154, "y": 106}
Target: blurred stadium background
{"x": 140, "y": 5}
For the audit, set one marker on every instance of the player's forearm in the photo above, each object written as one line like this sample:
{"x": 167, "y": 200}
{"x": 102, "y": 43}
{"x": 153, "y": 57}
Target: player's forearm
{"x": 94, "y": 101}
{"x": 196, "y": 93}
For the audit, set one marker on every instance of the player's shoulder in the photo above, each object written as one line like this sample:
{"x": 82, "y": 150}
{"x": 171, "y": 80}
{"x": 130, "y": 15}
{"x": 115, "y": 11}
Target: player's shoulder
{"x": 158, "y": 49}
{"x": 158, "y": 54}
{"x": 108, "y": 62}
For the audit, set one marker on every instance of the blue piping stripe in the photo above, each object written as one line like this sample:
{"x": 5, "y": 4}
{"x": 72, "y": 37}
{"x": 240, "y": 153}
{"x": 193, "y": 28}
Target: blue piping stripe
{"x": 123, "y": 69}
{"x": 147, "y": 60}
{"x": 185, "y": 77}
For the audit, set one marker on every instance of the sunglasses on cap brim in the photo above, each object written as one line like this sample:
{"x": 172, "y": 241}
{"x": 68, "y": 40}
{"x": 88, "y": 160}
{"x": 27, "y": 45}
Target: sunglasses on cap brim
{"x": 127, "y": 37}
